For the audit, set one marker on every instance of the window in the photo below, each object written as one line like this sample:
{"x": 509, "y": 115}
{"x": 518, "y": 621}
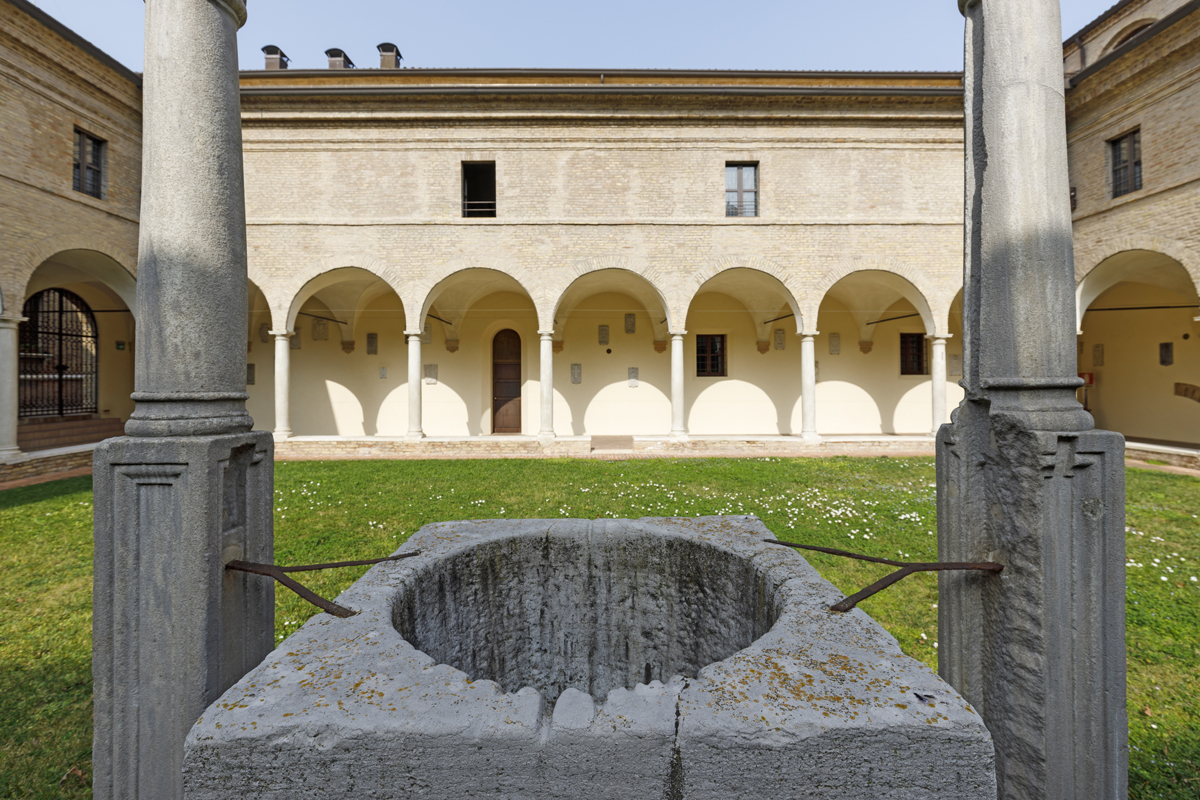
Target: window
{"x": 710, "y": 355}
{"x": 1126, "y": 164}
{"x": 479, "y": 188}
{"x": 89, "y": 164}
{"x": 912, "y": 354}
{"x": 741, "y": 190}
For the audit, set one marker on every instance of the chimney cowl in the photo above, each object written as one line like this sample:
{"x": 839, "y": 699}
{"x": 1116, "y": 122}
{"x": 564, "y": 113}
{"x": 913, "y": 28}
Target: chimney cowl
{"x": 338, "y": 59}
{"x": 389, "y": 56}
{"x": 276, "y": 58}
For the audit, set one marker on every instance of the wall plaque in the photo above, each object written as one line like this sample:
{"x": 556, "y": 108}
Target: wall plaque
{"x": 264, "y": 333}
{"x": 955, "y": 363}
{"x": 1097, "y": 355}
{"x": 577, "y": 373}
{"x": 633, "y": 377}
{"x": 372, "y": 344}
{"x": 320, "y": 330}
{"x": 426, "y": 335}
{"x": 294, "y": 342}
{"x": 780, "y": 339}
{"x": 603, "y": 334}
{"x": 249, "y": 374}
{"x": 1166, "y": 354}
{"x": 431, "y": 374}
{"x": 835, "y": 344}
{"x": 631, "y": 323}
{"x": 1188, "y": 390}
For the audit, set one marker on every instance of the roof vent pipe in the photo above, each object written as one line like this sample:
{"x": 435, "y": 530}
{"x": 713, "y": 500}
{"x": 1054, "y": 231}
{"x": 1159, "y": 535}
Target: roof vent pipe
{"x": 338, "y": 59}
{"x": 389, "y": 56}
{"x": 276, "y": 58}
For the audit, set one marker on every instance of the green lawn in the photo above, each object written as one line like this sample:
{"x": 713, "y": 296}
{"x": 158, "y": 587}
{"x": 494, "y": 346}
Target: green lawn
{"x": 344, "y": 510}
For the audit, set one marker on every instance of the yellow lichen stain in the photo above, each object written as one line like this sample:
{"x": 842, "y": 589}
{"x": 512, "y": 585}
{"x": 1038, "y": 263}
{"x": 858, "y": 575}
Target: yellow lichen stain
{"x": 901, "y": 705}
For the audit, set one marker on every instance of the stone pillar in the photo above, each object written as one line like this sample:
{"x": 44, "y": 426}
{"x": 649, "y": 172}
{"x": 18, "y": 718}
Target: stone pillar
{"x": 415, "y": 379}
{"x": 9, "y": 384}
{"x": 1023, "y": 479}
{"x": 937, "y": 376}
{"x": 678, "y": 425}
{"x": 808, "y": 387}
{"x": 283, "y": 384}
{"x": 546, "y": 434}
{"x": 190, "y": 487}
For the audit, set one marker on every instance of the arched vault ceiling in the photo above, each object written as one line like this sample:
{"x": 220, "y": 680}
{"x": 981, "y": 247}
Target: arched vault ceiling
{"x": 762, "y": 295}
{"x": 345, "y": 292}
{"x": 1133, "y": 266}
{"x": 869, "y": 294}
{"x": 616, "y": 281}
{"x": 85, "y": 266}
{"x": 455, "y": 295}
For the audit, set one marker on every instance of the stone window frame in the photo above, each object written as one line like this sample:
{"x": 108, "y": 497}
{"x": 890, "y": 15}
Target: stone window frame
{"x": 80, "y": 164}
{"x": 708, "y": 371}
{"x": 1133, "y": 183}
{"x": 739, "y": 191}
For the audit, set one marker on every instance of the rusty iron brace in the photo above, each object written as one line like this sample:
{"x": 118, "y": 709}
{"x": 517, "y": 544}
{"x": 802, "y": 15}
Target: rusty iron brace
{"x": 278, "y": 573}
{"x": 908, "y": 568}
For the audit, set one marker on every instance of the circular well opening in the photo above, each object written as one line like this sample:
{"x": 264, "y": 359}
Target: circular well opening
{"x": 594, "y": 614}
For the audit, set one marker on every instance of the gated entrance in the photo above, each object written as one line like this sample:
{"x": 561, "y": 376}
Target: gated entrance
{"x": 58, "y": 356}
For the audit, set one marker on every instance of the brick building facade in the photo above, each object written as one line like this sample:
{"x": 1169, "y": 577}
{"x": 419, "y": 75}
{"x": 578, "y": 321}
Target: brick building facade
{"x": 447, "y": 255}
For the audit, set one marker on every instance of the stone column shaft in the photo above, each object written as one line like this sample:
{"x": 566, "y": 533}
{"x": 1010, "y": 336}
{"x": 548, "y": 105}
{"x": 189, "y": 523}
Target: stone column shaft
{"x": 678, "y": 423}
{"x": 9, "y": 385}
{"x": 937, "y": 376}
{"x": 808, "y": 387}
{"x": 546, "y": 434}
{"x": 1023, "y": 480}
{"x": 190, "y": 487}
{"x": 283, "y": 384}
{"x": 415, "y": 393}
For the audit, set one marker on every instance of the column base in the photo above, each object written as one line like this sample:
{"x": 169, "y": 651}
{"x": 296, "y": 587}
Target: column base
{"x": 281, "y": 436}
{"x": 546, "y": 439}
{"x": 170, "y": 512}
{"x": 811, "y": 437}
{"x": 9, "y": 454}
{"x": 414, "y": 437}
{"x": 679, "y": 436}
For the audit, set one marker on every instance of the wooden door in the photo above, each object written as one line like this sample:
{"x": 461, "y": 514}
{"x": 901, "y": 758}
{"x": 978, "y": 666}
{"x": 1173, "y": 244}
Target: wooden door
{"x": 506, "y": 382}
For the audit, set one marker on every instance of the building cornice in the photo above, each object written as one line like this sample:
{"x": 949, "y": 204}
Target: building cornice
{"x": 1167, "y": 22}
{"x": 74, "y": 38}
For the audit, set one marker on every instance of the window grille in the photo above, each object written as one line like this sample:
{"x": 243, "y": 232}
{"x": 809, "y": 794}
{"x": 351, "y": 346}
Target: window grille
{"x": 710, "y": 355}
{"x": 741, "y": 190}
{"x": 1127, "y": 164}
{"x": 912, "y": 354}
{"x": 479, "y": 189}
{"x": 57, "y": 355}
{"x": 89, "y": 164}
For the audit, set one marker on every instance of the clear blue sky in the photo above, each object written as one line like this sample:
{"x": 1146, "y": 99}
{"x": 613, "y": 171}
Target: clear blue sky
{"x": 676, "y": 34}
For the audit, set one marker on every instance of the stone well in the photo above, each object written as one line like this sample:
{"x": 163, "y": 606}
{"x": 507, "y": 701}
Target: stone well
{"x": 653, "y": 658}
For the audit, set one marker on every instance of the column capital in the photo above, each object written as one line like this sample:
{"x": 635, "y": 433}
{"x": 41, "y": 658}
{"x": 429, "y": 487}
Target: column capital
{"x": 11, "y": 321}
{"x": 678, "y": 334}
{"x": 939, "y": 336}
{"x": 546, "y": 334}
{"x": 235, "y": 9}
{"x": 410, "y": 335}
{"x": 281, "y": 334}
{"x": 963, "y": 5}
{"x": 808, "y": 337}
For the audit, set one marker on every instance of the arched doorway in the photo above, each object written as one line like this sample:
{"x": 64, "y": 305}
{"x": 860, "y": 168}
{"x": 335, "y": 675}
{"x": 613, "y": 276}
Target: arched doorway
{"x": 506, "y": 382}
{"x": 58, "y": 351}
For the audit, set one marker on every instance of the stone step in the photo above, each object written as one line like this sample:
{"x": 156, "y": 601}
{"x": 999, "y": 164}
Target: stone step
{"x": 65, "y": 433}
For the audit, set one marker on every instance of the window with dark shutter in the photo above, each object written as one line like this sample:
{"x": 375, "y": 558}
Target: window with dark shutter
{"x": 710, "y": 355}
{"x": 479, "y": 189}
{"x": 89, "y": 164}
{"x": 741, "y": 190}
{"x": 1127, "y": 164}
{"x": 912, "y": 354}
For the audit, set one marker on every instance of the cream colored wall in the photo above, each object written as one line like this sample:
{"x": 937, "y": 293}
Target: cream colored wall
{"x": 261, "y": 401}
{"x": 1134, "y": 394}
{"x": 604, "y": 403}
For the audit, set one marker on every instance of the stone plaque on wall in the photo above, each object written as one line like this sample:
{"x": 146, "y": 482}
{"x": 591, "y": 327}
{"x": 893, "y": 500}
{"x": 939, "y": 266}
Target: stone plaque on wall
{"x": 426, "y": 335}
{"x": 320, "y": 330}
{"x": 431, "y": 374}
{"x": 372, "y": 344}
{"x": 294, "y": 342}
{"x": 1097, "y": 355}
{"x": 835, "y": 344}
{"x": 954, "y": 366}
{"x": 249, "y": 374}
{"x": 633, "y": 377}
{"x": 577, "y": 373}
{"x": 603, "y": 334}
{"x": 631, "y": 323}
{"x": 780, "y": 338}
{"x": 264, "y": 333}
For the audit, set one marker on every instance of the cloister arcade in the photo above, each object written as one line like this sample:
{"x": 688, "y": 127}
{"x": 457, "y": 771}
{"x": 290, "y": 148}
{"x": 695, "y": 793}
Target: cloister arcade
{"x": 610, "y": 351}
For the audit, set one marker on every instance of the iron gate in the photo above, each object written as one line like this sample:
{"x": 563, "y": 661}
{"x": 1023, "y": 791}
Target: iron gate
{"x": 58, "y": 356}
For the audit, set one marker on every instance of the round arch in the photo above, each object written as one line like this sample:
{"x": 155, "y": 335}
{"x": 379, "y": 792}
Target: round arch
{"x": 618, "y": 280}
{"x": 281, "y": 293}
{"x": 345, "y": 288}
{"x": 82, "y": 265}
{"x": 1133, "y": 266}
{"x": 787, "y": 286}
{"x": 423, "y": 293}
{"x": 894, "y": 278}
{"x": 456, "y": 292}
